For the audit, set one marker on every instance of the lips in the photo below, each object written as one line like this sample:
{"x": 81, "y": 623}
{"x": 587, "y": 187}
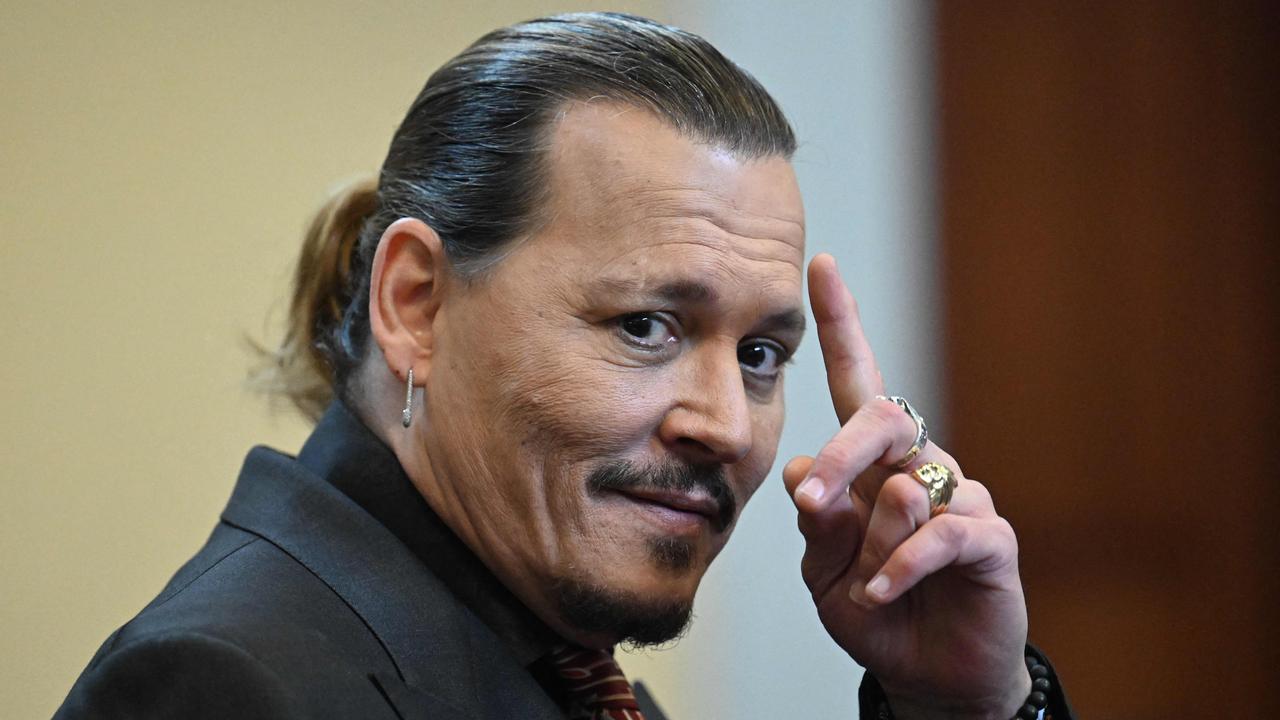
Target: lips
{"x": 674, "y": 494}
{"x": 692, "y": 503}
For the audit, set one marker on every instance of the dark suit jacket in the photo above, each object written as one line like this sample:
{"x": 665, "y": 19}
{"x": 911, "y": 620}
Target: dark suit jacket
{"x": 302, "y": 605}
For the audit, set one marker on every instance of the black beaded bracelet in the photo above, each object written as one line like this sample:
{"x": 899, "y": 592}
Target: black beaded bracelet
{"x": 1036, "y": 702}
{"x": 1039, "y": 696}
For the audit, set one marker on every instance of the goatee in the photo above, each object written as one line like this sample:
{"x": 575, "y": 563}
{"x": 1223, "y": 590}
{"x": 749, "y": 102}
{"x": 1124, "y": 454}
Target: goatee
{"x": 634, "y": 619}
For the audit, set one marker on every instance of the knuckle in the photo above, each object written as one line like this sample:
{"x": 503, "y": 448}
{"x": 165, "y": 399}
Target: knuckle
{"x": 835, "y": 456}
{"x": 944, "y": 457}
{"x": 885, "y": 414}
{"x": 1005, "y": 529}
{"x": 1002, "y": 553}
{"x": 980, "y": 493}
{"x": 891, "y": 422}
{"x": 951, "y": 529}
{"x": 904, "y": 496}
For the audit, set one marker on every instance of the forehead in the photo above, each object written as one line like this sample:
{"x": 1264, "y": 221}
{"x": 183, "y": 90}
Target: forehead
{"x": 627, "y": 189}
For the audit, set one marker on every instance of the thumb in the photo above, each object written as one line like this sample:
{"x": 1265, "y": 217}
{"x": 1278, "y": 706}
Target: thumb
{"x": 796, "y": 469}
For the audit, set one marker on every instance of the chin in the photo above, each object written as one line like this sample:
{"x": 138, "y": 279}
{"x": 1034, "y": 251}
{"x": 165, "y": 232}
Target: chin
{"x": 645, "y": 599}
{"x": 601, "y": 615}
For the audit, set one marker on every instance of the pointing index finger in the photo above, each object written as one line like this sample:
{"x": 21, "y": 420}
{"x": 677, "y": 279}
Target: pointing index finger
{"x": 852, "y": 375}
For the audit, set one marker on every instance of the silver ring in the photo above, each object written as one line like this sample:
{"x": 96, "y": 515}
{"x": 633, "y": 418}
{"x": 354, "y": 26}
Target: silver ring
{"x": 922, "y": 431}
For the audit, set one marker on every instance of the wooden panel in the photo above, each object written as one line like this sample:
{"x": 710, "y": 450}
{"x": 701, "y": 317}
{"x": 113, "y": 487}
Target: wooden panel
{"x": 1111, "y": 247}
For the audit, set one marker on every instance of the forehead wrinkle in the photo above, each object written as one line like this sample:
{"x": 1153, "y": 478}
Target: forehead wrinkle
{"x": 716, "y": 263}
{"x": 700, "y": 203}
{"x": 705, "y": 231}
{"x": 712, "y": 246}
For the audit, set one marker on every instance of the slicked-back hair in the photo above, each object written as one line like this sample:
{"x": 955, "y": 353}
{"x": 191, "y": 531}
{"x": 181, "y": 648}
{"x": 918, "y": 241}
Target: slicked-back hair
{"x": 469, "y": 161}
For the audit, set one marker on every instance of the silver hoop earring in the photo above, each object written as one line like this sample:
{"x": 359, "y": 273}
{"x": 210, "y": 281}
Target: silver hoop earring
{"x": 408, "y": 399}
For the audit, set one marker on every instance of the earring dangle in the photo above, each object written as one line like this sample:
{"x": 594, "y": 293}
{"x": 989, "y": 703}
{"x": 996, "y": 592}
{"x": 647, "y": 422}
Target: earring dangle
{"x": 408, "y": 399}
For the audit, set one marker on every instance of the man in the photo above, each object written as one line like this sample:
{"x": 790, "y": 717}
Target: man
{"x": 553, "y": 339}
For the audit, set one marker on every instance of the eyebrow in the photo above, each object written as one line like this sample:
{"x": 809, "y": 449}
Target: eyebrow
{"x": 788, "y": 321}
{"x": 691, "y": 291}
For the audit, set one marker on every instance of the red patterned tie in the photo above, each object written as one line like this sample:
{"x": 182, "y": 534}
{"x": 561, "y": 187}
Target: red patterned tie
{"x": 595, "y": 684}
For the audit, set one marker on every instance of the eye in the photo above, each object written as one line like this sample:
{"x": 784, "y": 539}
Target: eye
{"x": 651, "y": 331}
{"x": 762, "y": 358}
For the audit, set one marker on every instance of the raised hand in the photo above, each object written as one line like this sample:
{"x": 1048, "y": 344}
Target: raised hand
{"x": 933, "y": 607}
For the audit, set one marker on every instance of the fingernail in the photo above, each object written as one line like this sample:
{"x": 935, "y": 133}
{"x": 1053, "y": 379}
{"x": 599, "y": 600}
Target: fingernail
{"x": 858, "y": 594}
{"x": 879, "y": 586}
{"x": 811, "y": 488}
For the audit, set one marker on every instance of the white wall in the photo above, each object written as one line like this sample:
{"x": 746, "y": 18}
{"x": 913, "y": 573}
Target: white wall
{"x": 855, "y": 79}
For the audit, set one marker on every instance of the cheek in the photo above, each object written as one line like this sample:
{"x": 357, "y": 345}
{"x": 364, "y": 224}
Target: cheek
{"x": 572, "y": 403}
{"x": 764, "y": 446}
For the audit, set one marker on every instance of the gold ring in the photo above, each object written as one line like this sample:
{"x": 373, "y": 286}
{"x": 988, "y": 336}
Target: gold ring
{"x": 922, "y": 431}
{"x": 940, "y": 482}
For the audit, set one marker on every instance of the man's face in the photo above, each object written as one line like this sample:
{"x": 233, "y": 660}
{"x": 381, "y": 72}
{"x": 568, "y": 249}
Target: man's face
{"x": 603, "y": 402}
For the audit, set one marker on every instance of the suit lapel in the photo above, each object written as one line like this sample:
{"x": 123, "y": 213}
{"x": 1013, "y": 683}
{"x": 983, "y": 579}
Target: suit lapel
{"x": 648, "y": 706}
{"x": 444, "y": 657}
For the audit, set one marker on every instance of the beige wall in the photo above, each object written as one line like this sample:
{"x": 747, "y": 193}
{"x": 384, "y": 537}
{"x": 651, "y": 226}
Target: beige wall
{"x": 158, "y": 161}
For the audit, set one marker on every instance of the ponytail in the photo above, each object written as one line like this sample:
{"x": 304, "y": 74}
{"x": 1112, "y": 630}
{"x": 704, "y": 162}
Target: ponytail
{"x": 302, "y": 369}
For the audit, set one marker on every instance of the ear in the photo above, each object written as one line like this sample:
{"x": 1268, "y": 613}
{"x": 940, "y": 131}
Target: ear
{"x": 406, "y": 286}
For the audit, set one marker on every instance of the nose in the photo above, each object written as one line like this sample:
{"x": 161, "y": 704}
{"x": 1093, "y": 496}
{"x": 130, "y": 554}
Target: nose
{"x": 711, "y": 418}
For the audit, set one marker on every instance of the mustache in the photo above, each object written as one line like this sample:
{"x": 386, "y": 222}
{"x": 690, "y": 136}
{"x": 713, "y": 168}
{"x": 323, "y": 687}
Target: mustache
{"x": 620, "y": 476}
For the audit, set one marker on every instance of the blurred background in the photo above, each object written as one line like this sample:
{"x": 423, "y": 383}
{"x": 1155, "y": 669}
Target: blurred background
{"x": 1061, "y": 221}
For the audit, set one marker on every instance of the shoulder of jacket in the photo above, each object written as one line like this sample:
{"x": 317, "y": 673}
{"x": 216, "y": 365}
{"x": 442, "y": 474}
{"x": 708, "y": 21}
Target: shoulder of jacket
{"x": 254, "y": 596}
{"x": 185, "y": 674}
